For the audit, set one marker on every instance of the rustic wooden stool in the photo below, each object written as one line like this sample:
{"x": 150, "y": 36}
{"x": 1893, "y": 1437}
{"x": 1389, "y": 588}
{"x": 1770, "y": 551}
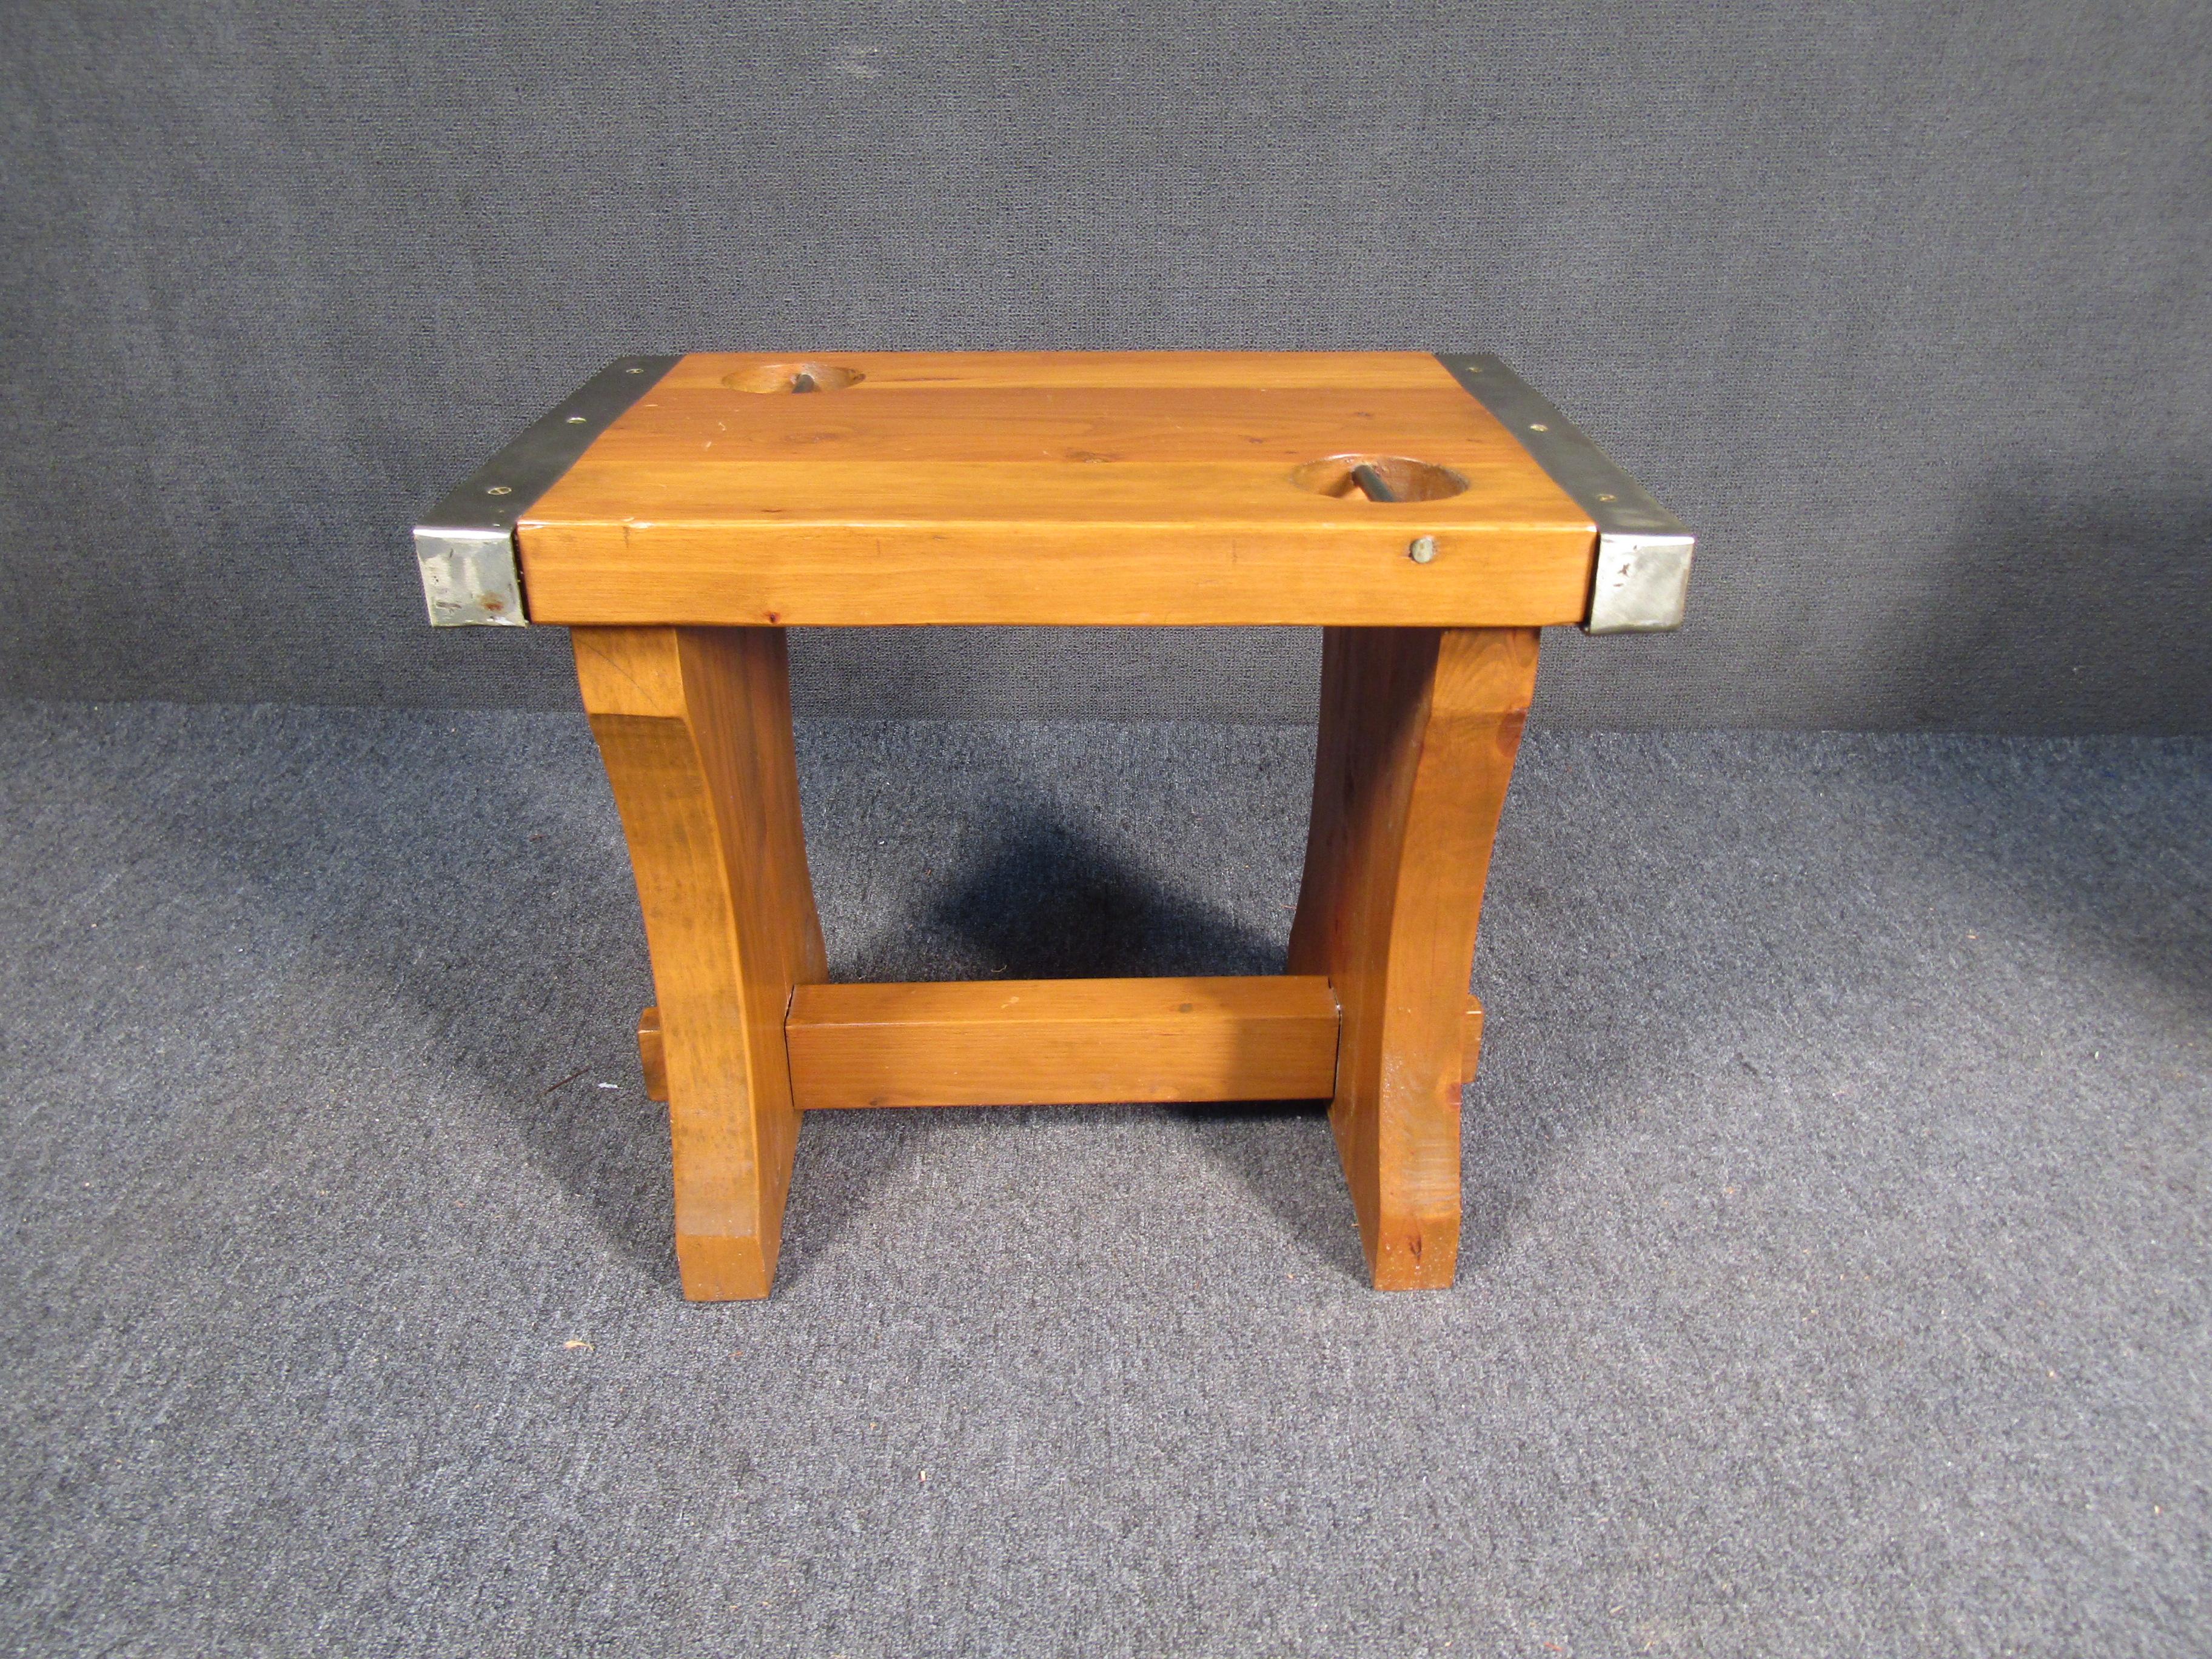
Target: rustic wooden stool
{"x": 1430, "y": 513}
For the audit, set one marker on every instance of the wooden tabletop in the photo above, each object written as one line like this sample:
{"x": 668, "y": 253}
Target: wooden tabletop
{"x": 1057, "y": 488}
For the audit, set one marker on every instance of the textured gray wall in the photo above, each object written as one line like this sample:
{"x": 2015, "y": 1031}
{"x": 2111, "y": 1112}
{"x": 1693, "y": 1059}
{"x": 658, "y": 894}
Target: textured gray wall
{"x": 1903, "y": 305}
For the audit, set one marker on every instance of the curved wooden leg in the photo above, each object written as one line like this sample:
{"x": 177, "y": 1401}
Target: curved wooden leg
{"x": 1419, "y": 729}
{"x": 695, "y": 725}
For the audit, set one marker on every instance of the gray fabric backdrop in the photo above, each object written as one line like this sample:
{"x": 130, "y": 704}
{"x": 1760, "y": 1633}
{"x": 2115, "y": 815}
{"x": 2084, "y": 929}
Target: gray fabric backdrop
{"x": 1904, "y": 307}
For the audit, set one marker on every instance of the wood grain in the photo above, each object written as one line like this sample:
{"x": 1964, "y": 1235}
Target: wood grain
{"x": 1418, "y": 730}
{"x": 695, "y": 727}
{"x": 656, "y": 1074}
{"x": 1051, "y": 1042}
{"x": 1051, "y": 488}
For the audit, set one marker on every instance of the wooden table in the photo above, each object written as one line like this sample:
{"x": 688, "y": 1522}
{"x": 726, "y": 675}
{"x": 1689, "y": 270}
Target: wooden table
{"x": 1430, "y": 513}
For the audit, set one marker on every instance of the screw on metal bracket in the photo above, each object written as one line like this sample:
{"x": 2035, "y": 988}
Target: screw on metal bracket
{"x": 1422, "y": 548}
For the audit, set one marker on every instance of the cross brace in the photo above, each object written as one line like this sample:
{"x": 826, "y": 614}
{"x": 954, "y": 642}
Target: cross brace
{"x": 1058, "y": 1043}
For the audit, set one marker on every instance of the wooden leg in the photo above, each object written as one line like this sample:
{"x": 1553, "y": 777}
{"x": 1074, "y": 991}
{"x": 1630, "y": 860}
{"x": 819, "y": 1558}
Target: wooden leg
{"x": 695, "y": 725}
{"x": 1419, "y": 728}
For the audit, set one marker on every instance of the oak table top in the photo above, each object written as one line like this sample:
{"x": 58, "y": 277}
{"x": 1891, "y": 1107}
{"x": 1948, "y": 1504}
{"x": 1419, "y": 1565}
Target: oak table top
{"x": 1178, "y": 488}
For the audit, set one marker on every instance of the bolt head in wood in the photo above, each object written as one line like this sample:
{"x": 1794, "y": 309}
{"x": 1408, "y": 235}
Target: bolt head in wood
{"x": 1422, "y": 549}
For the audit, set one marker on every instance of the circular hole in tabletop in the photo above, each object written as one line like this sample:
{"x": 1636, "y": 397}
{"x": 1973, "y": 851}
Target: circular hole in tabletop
{"x": 793, "y": 377}
{"x": 1348, "y": 477}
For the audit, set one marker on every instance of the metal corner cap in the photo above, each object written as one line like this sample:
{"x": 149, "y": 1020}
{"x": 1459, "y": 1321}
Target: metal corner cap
{"x": 466, "y": 550}
{"x": 1643, "y": 579}
{"x": 469, "y": 576}
{"x": 1642, "y": 583}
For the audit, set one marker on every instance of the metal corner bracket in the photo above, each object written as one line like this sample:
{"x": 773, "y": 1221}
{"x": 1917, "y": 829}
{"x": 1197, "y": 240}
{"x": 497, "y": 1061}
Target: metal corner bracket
{"x": 464, "y": 547}
{"x": 1642, "y": 584}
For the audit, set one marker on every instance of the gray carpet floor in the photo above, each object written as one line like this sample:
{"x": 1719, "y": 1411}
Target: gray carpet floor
{"x": 1835, "y": 1278}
